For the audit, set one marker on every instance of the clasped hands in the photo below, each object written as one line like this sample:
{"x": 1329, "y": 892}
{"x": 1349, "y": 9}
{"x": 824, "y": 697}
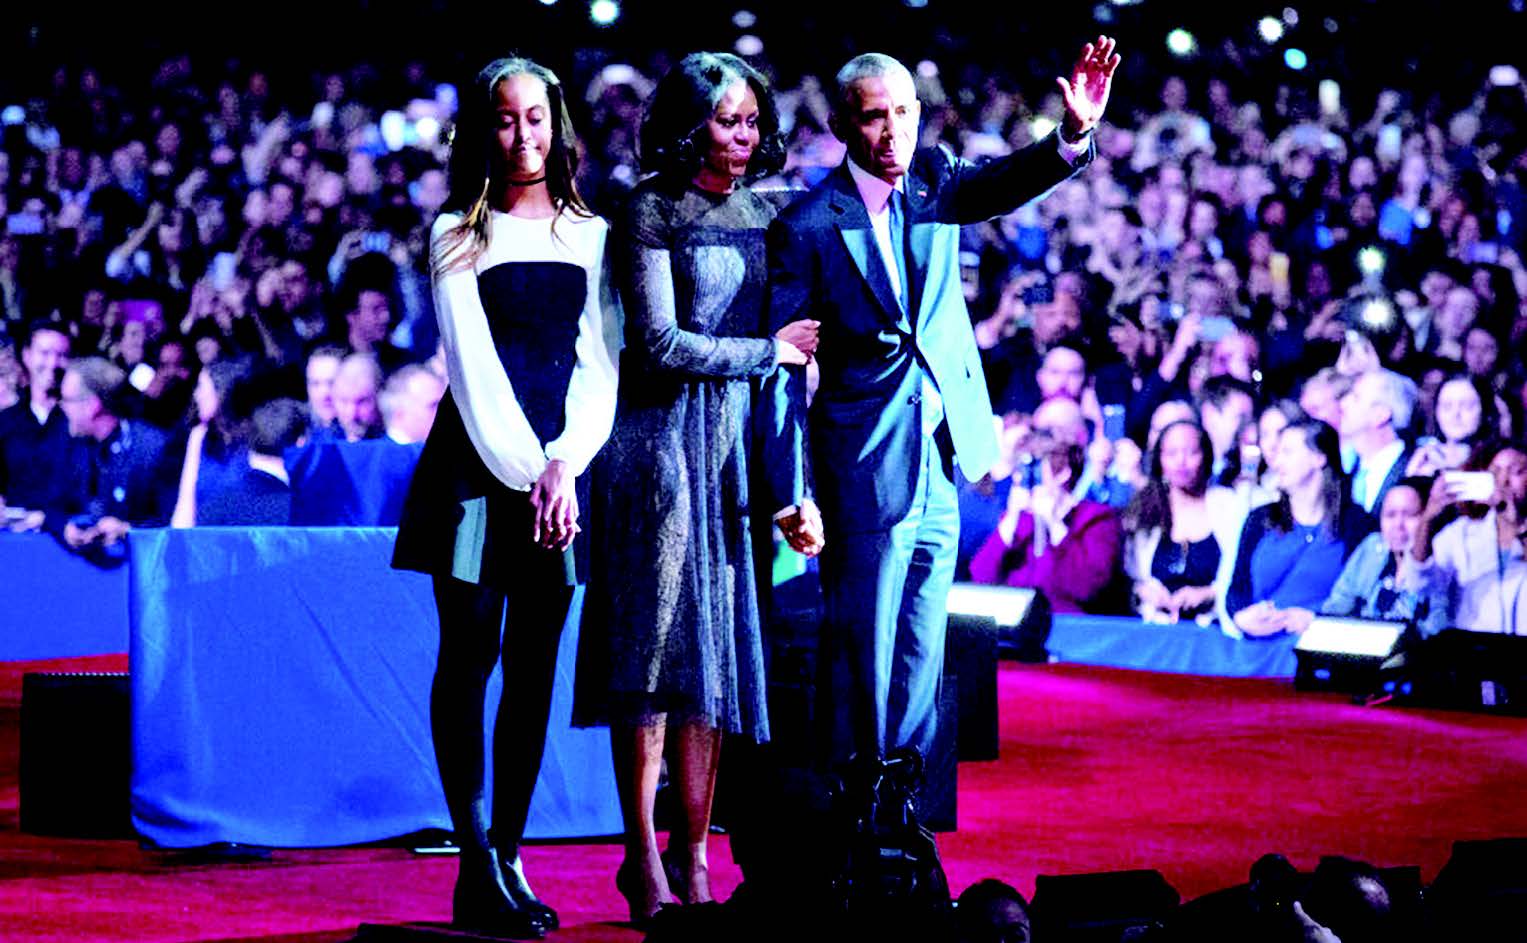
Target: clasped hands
{"x": 554, "y": 501}
{"x": 105, "y": 532}
{"x": 1263, "y": 618}
{"x": 1176, "y": 604}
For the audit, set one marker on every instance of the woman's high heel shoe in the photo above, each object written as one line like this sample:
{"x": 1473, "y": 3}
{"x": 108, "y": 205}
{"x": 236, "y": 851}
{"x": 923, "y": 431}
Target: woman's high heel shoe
{"x": 628, "y": 881}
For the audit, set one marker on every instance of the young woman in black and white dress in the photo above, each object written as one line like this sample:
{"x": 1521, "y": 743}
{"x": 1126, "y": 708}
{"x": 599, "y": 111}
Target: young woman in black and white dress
{"x": 531, "y": 336}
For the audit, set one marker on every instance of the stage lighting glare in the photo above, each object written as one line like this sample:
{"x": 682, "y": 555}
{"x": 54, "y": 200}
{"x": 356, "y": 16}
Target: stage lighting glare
{"x": 748, "y": 45}
{"x": 1290, "y": 16}
{"x": 1331, "y": 25}
{"x": 548, "y": 3}
{"x": 1103, "y": 13}
{"x": 394, "y": 128}
{"x": 1295, "y": 59}
{"x": 744, "y": 19}
{"x": 604, "y": 12}
{"x": 916, "y": 4}
{"x": 1126, "y": 3}
{"x": 1041, "y": 127}
{"x": 1371, "y": 261}
{"x": 1271, "y": 29}
{"x": 428, "y": 130}
{"x": 1378, "y": 315}
{"x": 1181, "y": 43}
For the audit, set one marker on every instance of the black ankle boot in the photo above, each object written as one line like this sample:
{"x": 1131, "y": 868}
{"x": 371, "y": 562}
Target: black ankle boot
{"x": 482, "y": 903}
{"x": 521, "y": 894}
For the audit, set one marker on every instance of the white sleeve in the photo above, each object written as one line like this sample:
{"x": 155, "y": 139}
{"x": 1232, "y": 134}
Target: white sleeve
{"x": 590, "y": 404}
{"x": 493, "y": 418}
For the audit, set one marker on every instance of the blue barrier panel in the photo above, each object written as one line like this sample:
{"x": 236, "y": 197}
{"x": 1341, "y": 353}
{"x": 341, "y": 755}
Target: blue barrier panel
{"x": 280, "y": 684}
{"x": 1185, "y": 648}
{"x": 60, "y": 606}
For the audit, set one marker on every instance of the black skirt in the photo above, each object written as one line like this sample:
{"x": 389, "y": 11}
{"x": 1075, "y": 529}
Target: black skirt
{"x": 460, "y": 521}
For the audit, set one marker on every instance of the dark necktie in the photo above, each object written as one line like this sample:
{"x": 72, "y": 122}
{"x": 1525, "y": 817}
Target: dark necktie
{"x": 899, "y": 248}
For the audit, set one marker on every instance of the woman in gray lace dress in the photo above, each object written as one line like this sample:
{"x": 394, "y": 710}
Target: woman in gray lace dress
{"x": 671, "y": 620}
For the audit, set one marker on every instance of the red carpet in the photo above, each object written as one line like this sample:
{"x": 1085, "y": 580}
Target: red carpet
{"x": 1100, "y": 770}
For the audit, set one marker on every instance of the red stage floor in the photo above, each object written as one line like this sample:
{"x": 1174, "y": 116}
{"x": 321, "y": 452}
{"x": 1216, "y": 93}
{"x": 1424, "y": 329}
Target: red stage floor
{"x": 1100, "y": 770}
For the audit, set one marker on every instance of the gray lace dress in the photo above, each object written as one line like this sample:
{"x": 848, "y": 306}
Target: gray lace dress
{"x": 671, "y": 618}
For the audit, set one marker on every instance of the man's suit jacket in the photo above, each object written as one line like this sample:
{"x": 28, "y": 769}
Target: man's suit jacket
{"x": 133, "y": 475}
{"x": 866, "y": 418}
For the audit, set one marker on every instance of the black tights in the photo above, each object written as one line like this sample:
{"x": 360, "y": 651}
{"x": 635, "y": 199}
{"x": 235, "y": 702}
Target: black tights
{"x": 470, "y": 619}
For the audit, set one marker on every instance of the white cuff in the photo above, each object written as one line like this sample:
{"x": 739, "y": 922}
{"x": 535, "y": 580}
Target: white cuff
{"x": 1071, "y": 152}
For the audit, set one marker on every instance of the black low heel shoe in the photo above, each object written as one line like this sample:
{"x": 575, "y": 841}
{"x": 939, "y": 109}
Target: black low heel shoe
{"x": 484, "y": 906}
{"x": 524, "y": 898}
{"x": 629, "y": 883}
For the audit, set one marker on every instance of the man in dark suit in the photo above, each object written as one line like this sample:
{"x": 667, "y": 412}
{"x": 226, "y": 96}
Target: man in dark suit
{"x": 34, "y": 436}
{"x": 873, "y": 254}
{"x": 123, "y": 475}
{"x": 1374, "y": 413}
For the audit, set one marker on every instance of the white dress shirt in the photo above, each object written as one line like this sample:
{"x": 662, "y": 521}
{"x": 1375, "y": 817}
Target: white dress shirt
{"x": 1372, "y": 472}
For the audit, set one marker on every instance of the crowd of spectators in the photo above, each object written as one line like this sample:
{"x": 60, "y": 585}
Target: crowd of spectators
{"x": 1215, "y": 357}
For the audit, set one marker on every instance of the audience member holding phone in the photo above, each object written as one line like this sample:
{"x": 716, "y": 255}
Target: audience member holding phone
{"x": 1470, "y": 543}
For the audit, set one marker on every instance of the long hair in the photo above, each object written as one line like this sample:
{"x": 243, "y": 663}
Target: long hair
{"x": 470, "y": 171}
{"x": 1322, "y": 439}
{"x": 672, "y": 142}
{"x": 1151, "y": 506}
{"x": 1489, "y": 413}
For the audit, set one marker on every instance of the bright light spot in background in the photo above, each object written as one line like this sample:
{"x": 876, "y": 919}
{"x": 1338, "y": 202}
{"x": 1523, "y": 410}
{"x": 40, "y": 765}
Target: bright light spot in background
{"x": 748, "y": 45}
{"x": 1295, "y": 59}
{"x": 1331, "y": 25}
{"x": 1125, "y": 3}
{"x": 1271, "y": 29}
{"x": 1371, "y": 261}
{"x": 744, "y": 19}
{"x": 394, "y": 128}
{"x": 917, "y": 4}
{"x": 927, "y": 69}
{"x": 1041, "y": 126}
{"x": 1102, "y": 13}
{"x": 1291, "y": 16}
{"x": 428, "y": 129}
{"x": 1180, "y": 42}
{"x": 548, "y": 3}
{"x": 604, "y": 12}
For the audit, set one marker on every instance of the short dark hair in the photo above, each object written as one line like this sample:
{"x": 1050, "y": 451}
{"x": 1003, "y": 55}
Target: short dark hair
{"x": 684, "y": 101}
{"x": 277, "y": 426}
{"x": 37, "y": 327}
{"x": 1218, "y": 390}
{"x": 978, "y": 897}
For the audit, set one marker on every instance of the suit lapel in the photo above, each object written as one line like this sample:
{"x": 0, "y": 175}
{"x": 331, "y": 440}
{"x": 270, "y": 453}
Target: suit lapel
{"x": 853, "y": 223}
{"x": 919, "y": 243}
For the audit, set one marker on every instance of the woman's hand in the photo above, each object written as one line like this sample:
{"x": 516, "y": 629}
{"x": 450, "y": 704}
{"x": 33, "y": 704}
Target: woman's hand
{"x": 1152, "y": 593}
{"x": 1259, "y": 620}
{"x": 1190, "y": 599}
{"x": 802, "y": 335}
{"x": 792, "y": 355}
{"x": 555, "y": 502}
{"x": 1296, "y": 620}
